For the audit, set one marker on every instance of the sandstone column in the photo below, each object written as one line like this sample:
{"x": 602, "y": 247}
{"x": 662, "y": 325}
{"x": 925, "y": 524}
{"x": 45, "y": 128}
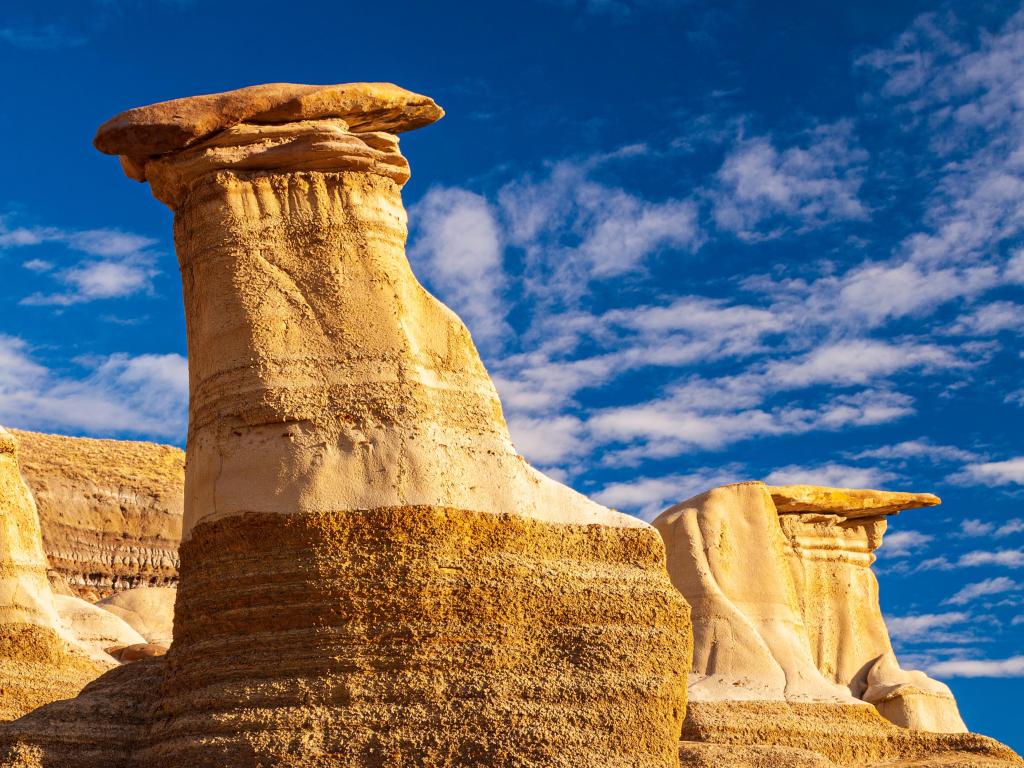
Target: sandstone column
{"x": 370, "y": 574}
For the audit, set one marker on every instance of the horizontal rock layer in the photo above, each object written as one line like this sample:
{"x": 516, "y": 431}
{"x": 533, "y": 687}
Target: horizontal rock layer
{"x": 110, "y": 510}
{"x": 411, "y": 636}
{"x": 844, "y": 735}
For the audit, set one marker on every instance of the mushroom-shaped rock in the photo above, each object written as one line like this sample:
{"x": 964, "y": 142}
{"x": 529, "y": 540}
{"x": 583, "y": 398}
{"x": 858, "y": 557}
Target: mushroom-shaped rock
{"x": 370, "y": 573}
{"x": 789, "y": 640}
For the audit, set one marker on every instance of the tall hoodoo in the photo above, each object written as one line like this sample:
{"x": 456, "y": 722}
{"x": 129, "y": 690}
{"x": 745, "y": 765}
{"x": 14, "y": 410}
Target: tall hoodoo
{"x": 370, "y": 574}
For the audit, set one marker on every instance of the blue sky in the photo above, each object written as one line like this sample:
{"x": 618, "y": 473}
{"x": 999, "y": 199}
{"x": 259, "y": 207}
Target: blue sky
{"x": 695, "y": 243}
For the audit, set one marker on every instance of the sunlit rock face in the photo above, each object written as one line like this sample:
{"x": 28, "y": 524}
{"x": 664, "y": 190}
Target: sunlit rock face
{"x": 790, "y": 647}
{"x": 370, "y": 574}
{"x": 110, "y": 510}
{"x": 39, "y": 663}
{"x": 833, "y": 533}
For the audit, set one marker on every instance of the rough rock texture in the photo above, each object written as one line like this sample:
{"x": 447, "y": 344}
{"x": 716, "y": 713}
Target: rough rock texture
{"x": 110, "y": 510}
{"x": 789, "y": 635}
{"x": 843, "y": 735}
{"x": 37, "y": 662}
{"x": 370, "y": 574}
{"x": 148, "y": 610}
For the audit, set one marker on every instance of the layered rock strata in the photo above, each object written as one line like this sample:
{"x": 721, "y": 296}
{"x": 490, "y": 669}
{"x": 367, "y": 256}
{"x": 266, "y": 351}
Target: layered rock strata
{"x": 38, "y": 664}
{"x": 370, "y": 574}
{"x": 110, "y": 510}
{"x": 788, "y": 632}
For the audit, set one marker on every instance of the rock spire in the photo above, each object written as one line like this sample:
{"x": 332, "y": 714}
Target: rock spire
{"x": 370, "y": 573}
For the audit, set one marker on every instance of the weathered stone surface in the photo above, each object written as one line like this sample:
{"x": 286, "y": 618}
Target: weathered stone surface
{"x": 848, "y": 502}
{"x": 789, "y": 639}
{"x": 370, "y": 574}
{"x": 173, "y": 125}
{"x": 38, "y": 664}
{"x": 147, "y": 610}
{"x": 843, "y": 735}
{"x": 94, "y": 628}
{"x": 729, "y": 558}
{"x": 110, "y": 510}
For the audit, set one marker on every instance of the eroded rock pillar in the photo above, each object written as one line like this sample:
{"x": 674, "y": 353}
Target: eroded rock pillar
{"x": 370, "y": 574}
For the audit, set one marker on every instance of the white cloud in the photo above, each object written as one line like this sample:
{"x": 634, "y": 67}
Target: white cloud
{"x": 647, "y": 497}
{"x": 573, "y": 229}
{"x": 1008, "y": 558}
{"x": 1011, "y": 667}
{"x": 547, "y": 441}
{"x": 990, "y": 319}
{"x": 762, "y": 192}
{"x": 994, "y": 586}
{"x": 117, "y": 263}
{"x": 905, "y": 543}
{"x": 837, "y": 475}
{"x": 992, "y": 473}
{"x": 917, "y": 449}
{"x": 114, "y": 395}
{"x": 458, "y": 243}
{"x": 973, "y": 527}
{"x": 919, "y": 628}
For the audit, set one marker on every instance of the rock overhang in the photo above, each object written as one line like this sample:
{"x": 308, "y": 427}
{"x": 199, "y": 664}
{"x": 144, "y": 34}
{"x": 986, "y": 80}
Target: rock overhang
{"x": 168, "y": 126}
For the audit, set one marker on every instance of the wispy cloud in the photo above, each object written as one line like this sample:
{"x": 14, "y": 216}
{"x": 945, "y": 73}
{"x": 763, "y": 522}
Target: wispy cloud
{"x": 1011, "y": 667}
{"x": 111, "y": 395}
{"x": 992, "y": 473}
{"x": 974, "y": 527}
{"x": 995, "y": 586}
{"x": 922, "y": 627}
{"x": 47, "y": 37}
{"x": 459, "y": 247}
{"x": 837, "y": 475}
{"x": 905, "y": 543}
{"x": 116, "y": 263}
{"x": 647, "y": 497}
{"x": 762, "y": 193}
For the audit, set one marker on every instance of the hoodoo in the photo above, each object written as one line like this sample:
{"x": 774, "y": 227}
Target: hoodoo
{"x": 370, "y": 574}
{"x": 790, "y": 647}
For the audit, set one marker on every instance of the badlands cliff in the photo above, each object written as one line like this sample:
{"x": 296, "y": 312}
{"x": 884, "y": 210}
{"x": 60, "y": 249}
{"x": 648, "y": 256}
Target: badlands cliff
{"x": 38, "y": 663}
{"x": 110, "y": 510}
{"x": 370, "y": 574}
{"x": 790, "y": 647}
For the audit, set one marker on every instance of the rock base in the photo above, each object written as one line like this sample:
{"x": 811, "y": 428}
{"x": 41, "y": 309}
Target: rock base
{"x": 841, "y": 735}
{"x": 404, "y": 636}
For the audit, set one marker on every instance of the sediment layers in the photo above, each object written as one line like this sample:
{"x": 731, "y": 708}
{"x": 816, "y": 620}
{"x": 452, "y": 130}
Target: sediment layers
{"x": 371, "y": 575}
{"x": 37, "y": 662}
{"x": 844, "y": 735}
{"x": 110, "y": 510}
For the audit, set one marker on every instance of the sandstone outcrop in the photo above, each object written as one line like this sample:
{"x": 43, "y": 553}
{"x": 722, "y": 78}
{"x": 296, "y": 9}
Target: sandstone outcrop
{"x": 110, "y": 510}
{"x": 832, "y": 535}
{"x": 370, "y": 574}
{"x": 38, "y": 664}
{"x": 790, "y": 646}
{"x": 147, "y": 610}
